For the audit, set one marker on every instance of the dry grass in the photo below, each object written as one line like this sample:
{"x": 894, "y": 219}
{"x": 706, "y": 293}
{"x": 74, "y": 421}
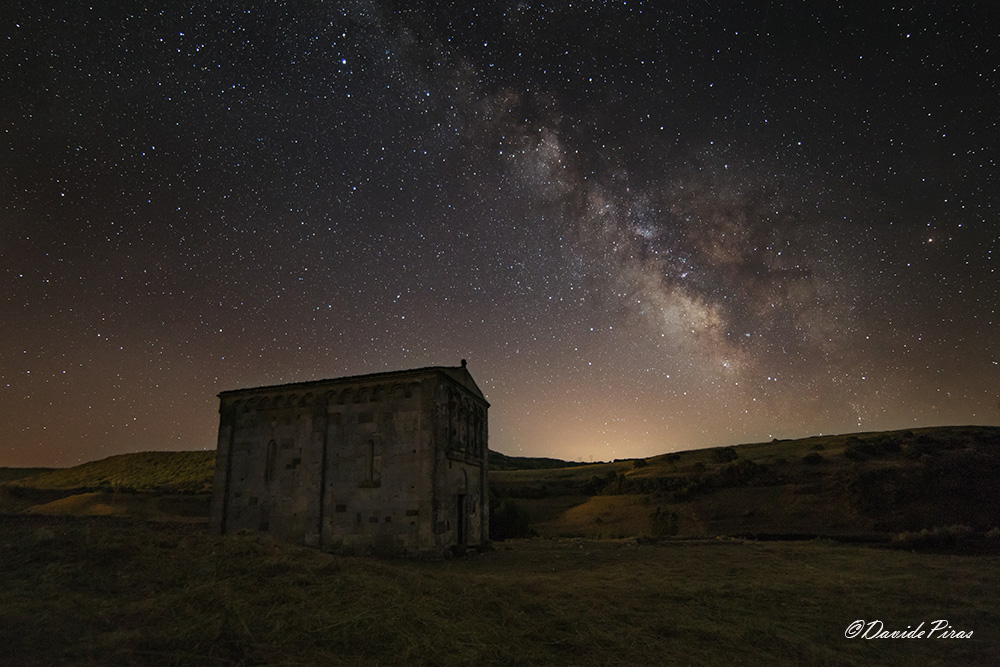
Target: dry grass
{"x": 150, "y": 506}
{"x": 601, "y": 517}
{"x": 189, "y": 472}
{"x": 12, "y": 474}
{"x": 103, "y": 591}
{"x": 915, "y": 479}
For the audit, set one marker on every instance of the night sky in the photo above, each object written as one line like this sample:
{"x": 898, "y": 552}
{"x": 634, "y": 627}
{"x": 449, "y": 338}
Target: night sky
{"x": 648, "y": 226}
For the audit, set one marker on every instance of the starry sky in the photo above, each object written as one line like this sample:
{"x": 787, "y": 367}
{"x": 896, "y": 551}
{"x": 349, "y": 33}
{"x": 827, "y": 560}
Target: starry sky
{"x": 648, "y": 226}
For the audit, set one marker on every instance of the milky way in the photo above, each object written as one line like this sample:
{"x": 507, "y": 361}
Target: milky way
{"x": 647, "y": 226}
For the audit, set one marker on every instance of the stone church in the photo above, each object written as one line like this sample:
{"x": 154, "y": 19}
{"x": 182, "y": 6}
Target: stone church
{"x": 391, "y": 463}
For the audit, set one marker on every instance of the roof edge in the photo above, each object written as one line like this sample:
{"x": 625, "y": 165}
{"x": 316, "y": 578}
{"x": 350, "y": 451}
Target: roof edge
{"x": 454, "y": 373}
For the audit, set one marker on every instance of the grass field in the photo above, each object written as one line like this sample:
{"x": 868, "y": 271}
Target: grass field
{"x": 110, "y": 563}
{"x": 863, "y": 484}
{"x": 112, "y": 591}
{"x": 184, "y": 472}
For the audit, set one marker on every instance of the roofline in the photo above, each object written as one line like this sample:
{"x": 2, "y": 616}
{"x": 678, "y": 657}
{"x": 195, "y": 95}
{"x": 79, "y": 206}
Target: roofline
{"x": 440, "y": 370}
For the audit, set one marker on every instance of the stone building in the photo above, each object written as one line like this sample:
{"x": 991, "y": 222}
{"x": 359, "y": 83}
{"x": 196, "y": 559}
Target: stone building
{"x": 389, "y": 462}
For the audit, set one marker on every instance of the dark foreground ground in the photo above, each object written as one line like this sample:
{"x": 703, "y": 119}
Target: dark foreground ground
{"x": 111, "y": 591}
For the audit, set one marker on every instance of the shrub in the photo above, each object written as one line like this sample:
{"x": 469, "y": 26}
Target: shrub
{"x": 875, "y": 490}
{"x": 883, "y": 446}
{"x": 724, "y": 454}
{"x": 887, "y": 446}
{"x": 812, "y": 458}
{"x": 738, "y": 473}
{"x": 639, "y": 463}
{"x": 597, "y": 485}
{"x": 856, "y": 451}
{"x": 663, "y": 522}
{"x": 924, "y": 444}
{"x": 940, "y": 537}
{"x": 689, "y": 487}
{"x": 508, "y": 520}
{"x": 617, "y": 485}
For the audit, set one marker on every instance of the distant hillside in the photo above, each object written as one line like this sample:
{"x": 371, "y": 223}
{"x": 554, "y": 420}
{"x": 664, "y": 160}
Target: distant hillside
{"x": 89, "y": 488}
{"x": 862, "y": 484}
{"x": 189, "y": 472}
{"x": 856, "y": 484}
{"x": 10, "y": 474}
{"x": 182, "y": 471}
{"x": 185, "y": 507}
{"x": 500, "y": 461}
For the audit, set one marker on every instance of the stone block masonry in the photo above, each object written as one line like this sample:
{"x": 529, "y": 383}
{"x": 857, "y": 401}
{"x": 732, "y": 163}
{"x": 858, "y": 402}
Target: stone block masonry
{"x": 391, "y": 463}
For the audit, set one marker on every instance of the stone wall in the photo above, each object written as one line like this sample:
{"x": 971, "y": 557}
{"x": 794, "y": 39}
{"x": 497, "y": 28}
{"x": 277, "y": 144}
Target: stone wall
{"x": 393, "y": 462}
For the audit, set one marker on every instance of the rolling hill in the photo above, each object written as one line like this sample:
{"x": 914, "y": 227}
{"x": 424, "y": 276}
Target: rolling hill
{"x": 862, "y": 485}
{"x": 146, "y": 485}
{"x": 186, "y": 472}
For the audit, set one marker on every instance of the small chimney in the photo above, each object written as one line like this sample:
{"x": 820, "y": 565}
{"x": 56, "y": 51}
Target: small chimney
{"x": 464, "y": 362}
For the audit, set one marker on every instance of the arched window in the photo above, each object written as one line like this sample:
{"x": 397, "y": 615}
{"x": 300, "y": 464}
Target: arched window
{"x": 272, "y": 454}
{"x": 370, "y": 453}
{"x": 373, "y": 462}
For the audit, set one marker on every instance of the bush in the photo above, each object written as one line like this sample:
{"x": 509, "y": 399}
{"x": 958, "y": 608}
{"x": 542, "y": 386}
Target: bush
{"x": 639, "y": 463}
{"x": 925, "y": 444}
{"x": 724, "y": 454}
{"x": 663, "y": 522}
{"x": 689, "y": 487}
{"x": 596, "y": 485}
{"x": 875, "y": 490}
{"x": 940, "y": 537}
{"x": 508, "y": 520}
{"x": 739, "y": 473}
{"x": 812, "y": 458}
{"x": 617, "y": 485}
{"x": 883, "y": 446}
{"x": 856, "y": 451}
